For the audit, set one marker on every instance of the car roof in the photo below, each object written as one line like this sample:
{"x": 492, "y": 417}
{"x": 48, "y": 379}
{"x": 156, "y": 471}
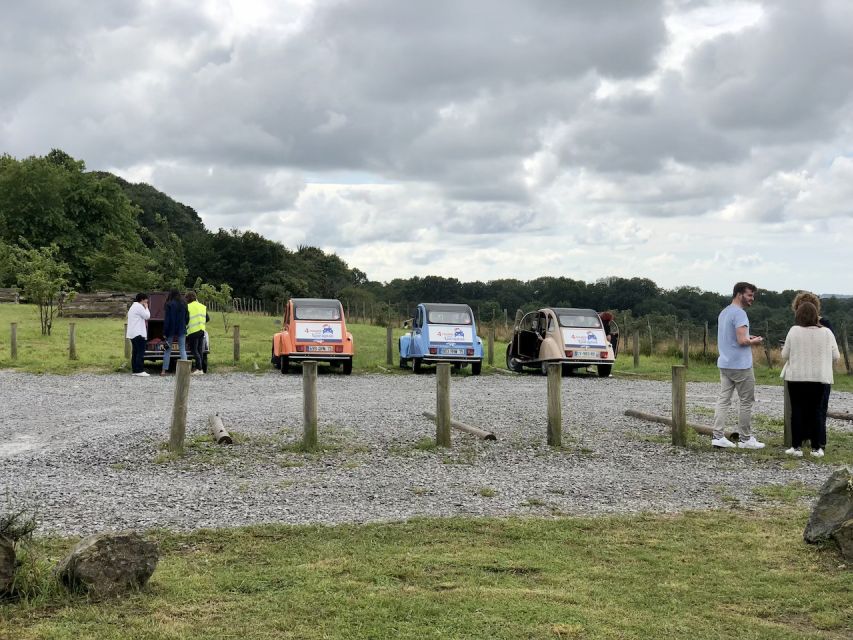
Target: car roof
{"x": 568, "y": 311}
{"x": 317, "y": 302}
{"x": 434, "y": 306}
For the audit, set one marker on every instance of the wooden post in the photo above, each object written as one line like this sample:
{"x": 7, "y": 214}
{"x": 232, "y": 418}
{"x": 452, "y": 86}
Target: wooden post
{"x": 309, "y": 405}
{"x": 442, "y": 404}
{"x": 127, "y": 343}
{"x": 236, "y": 343}
{"x": 788, "y": 437}
{"x": 685, "y": 348}
{"x": 492, "y": 345}
{"x": 72, "y": 341}
{"x": 389, "y": 345}
{"x": 636, "y": 337}
{"x": 845, "y": 348}
{"x": 679, "y": 405}
{"x": 766, "y": 344}
{"x": 651, "y": 338}
{"x": 705, "y": 340}
{"x": 179, "y": 408}
{"x": 13, "y": 343}
{"x": 555, "y": 408}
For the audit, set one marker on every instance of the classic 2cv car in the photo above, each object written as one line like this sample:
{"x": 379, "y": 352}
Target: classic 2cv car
{"x": 442, "y": 333}
{"x": 313, "y": 329}
{"x": 573, "y": 338}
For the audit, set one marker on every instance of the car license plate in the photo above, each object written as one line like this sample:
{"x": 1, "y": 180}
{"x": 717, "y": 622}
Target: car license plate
{"x": 318, "y": 348}
{"x": 586, "y": 354}
{"x": 454, "y": 352}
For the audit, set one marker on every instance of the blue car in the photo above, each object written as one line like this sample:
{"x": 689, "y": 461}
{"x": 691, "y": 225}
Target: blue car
{"x": 442, "y": 333}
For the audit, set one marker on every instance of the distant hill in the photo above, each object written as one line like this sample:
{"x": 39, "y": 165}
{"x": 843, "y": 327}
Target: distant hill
{"x": 840, "y": 296}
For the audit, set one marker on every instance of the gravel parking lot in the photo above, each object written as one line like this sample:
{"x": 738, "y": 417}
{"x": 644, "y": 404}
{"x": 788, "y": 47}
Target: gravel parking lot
{"x": 85, "y": 452}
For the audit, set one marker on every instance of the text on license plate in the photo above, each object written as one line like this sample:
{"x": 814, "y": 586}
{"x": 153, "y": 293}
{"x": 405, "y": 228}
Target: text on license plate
{"x": 586, "y": 354}
{"x": 453, "y": 352}
{"x": 313, "y": 347}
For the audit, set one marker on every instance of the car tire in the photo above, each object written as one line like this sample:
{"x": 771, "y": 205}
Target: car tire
{"x": 476, "y": 367}
{"x": 404, "y": 364}
{"x": 457, "y": 366}
{"x": 604, "y": 370}
{"x": 416, "y": 365}
{"x": 568, "y": 370}
{"x": 347, "y": 367}
{"x": 512, "y": 363}
{"x": 276, "y": 360}
{"x": 284, "y": 363}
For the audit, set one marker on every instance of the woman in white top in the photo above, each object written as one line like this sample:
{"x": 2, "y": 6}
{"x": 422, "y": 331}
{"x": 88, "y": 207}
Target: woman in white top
{"x": 137, "y": 332}
{"x": 809, "y": 352}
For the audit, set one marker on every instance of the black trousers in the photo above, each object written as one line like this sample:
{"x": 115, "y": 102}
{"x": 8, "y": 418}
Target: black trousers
{"x": 807, "y": 422}
{"x": 614, "y": 342}
{"x": 137, "y": 358}
{"x": 195, "y": 344}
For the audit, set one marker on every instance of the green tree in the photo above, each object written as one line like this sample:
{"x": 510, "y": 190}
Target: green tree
{"x": 209, "y": 295}
{"x": 43, "y": 279}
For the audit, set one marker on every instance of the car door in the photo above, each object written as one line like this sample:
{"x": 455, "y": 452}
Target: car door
{"x": 528, "y": 338}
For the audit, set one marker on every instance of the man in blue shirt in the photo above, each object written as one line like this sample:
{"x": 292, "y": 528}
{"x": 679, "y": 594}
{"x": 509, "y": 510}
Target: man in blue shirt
{"x": 735, "y": 364}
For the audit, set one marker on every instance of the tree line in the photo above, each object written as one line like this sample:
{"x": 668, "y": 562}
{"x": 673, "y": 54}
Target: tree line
{"x": 105, "y": 233}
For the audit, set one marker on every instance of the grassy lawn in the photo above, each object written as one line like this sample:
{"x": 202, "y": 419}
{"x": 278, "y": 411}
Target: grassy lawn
{"x": 725, "y": 574}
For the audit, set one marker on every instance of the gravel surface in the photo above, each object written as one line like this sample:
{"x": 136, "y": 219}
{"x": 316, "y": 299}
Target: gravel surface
{"x": 85, "y": 452}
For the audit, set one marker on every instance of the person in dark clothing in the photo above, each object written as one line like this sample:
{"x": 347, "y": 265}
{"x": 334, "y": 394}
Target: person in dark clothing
{"x": 611, "y": 330}
{"x": 137, "y": 333}
{"x": 175, "y": 322}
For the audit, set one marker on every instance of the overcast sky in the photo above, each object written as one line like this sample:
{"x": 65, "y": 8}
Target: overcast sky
{"x": 690, "y": 142}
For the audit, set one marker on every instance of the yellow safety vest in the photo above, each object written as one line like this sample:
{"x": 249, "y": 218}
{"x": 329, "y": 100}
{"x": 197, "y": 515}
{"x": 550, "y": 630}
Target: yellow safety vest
{"x": 198, "y": 317}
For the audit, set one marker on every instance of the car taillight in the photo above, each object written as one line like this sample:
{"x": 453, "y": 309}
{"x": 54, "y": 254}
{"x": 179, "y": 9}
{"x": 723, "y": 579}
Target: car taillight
{"x": 300, "y": 347}
{"x": 470, "y": 352}
{"x": 603, "y": 355}
{"x": 433, "y": 350}
{"x": 570, "y": 354}
{"x": 339, "y": 348}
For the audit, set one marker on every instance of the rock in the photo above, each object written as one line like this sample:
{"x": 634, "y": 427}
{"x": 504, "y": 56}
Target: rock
{"x": 8, "y": 564}
{"x": 109, "y": 563}
{"x": 834, "y": 507}
{"x": 843, "y": 535}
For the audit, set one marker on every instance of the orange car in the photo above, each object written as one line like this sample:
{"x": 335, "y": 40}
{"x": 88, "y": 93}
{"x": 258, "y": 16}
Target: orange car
{"x": 313, "y": 329}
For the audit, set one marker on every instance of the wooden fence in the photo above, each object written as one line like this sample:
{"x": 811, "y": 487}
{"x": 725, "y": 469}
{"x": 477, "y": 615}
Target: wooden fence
{"x": 9, "y": 295}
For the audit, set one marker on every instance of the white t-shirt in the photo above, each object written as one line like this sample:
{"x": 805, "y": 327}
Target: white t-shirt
{"x": 136, "y": 317}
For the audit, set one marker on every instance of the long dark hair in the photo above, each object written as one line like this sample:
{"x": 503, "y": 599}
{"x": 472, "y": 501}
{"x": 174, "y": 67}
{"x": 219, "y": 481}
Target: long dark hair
{"x": 174, "y": 295}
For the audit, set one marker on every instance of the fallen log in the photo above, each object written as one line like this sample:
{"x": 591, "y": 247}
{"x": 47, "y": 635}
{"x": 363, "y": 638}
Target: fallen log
{"x": 840, "y": 415}
{"x": 467, "y": 428}
{"x": 217, "y": 430}
{"x": 698, "y": 428}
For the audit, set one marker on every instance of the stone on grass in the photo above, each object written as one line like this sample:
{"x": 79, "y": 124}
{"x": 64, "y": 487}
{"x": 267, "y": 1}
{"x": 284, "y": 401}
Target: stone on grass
{"x": 844, "y": 537}
{"x": 834, "y": 507}
{"x": 8, "y": 564}
{"x": 107, "y": 564}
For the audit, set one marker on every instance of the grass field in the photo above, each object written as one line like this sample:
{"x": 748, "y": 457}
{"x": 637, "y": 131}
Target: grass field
{"x": 726, "y": 574}
{"x": 100, "y": 348}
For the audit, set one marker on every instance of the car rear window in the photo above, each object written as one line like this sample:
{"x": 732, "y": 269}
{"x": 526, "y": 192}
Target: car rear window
{"x": 449, "y": 317}
{"x": 589, "y": 322}
{"x": 317, "y": 313}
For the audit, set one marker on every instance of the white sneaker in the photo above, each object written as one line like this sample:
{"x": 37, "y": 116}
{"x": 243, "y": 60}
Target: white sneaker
{"x": 198, "y": 372}
{"x": 817, "y": 453}
{"x": 752, "y": 443}
{"x": 797, "y": 453}
{"x": 722, "y": 443}
{"x": 142, "y": 374}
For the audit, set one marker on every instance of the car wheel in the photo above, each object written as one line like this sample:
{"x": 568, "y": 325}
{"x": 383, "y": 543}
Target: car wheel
{"x": 476, "y": 367}
{"x": 276, "y": 360}
{"x": 348, "y": 367}
{"x": 404, "y": 364}
{"x": 604, "y": 370}
{"x": 512, "y": 363}
{"x": 284, "y": 363}
{"x": 568, "y": 370}
{"x": 204, "y": 363}
{"x": 416, "y": 365}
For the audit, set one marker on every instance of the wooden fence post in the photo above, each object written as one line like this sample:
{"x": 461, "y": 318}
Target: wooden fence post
{"x": 845, "y": 348}
{"x": 179, "y": 408}
{"x": 679, "y": 405}
{"x": 635, "y": 335}
{"x": 788, "y": 437}
{"x": 442, "y": 404}
{"x": 492, "y": 344}
{"x": 389, "y": 344}
{"x": 651, "y": 338}
{"x": 555, "y": 408}
{"x": 236, "y": 343}
{"x": 309, "y": 405}
{"x": 127, "y": 343}
{"x": 685, "y": 348}
{"x": 705, "y": 340}
{"x": 13, "y": 343}
{"x": 72, "y": 341}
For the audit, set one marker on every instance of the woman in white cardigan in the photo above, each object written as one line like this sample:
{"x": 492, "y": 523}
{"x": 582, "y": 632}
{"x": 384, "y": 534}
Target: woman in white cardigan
{"x": 809, "y": 353}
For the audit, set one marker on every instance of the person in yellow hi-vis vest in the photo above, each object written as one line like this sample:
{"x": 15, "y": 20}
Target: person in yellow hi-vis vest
{"x": 195, "y": 330}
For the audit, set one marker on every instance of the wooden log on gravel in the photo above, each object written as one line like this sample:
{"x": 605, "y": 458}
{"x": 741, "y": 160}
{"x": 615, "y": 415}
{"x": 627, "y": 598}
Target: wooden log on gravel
{"x": 218, "y": 431}
{"x": 698, "y": 428}
{"x": 467, "y": 428}
{"x": 840, "y": 415}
